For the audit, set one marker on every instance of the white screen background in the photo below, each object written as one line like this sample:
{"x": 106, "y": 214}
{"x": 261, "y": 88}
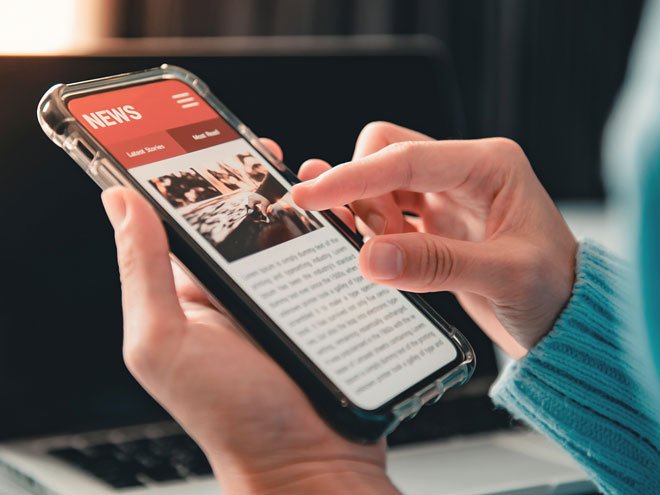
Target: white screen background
{"x": 369, "y": 340}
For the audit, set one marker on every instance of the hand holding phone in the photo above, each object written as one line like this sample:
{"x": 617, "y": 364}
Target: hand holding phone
{"x": 367, "y": 356}
{"x": 257, "y": 428}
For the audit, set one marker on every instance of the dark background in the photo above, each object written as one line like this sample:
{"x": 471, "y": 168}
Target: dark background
{"x": 542, "y": 72}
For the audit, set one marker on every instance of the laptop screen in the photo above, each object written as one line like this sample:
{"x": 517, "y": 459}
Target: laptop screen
{"x": 60, "y": 325}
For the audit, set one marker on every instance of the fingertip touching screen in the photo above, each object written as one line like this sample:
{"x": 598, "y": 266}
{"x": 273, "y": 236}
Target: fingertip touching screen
{"x": 369, "y": 340}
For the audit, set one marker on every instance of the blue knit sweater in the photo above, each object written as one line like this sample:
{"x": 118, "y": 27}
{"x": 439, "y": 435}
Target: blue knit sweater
{"x": 593, "y": 383}
{"x": 579, "y": 387}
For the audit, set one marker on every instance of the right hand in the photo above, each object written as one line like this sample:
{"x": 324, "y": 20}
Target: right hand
{"x": 484, "y": 229}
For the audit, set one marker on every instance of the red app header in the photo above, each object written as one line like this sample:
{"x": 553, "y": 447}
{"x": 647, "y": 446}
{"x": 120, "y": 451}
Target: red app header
{"x": 150, "y": 122}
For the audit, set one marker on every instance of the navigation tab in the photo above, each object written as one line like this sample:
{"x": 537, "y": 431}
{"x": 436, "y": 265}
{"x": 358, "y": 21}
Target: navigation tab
{"x": 202, "y": 135}
{"x": 145, "y": 149}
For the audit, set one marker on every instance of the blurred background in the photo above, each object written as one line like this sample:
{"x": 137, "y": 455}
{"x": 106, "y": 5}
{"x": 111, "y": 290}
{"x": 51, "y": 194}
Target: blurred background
{"x": 309, "y": 73}
{"x": 544, "y": 73}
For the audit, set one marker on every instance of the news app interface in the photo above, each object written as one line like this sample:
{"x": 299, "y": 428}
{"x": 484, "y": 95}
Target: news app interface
{"x": 370, "y": 341}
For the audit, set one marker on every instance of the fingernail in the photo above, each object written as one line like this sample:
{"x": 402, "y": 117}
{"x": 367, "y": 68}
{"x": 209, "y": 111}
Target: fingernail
{"x": 376, "y": 222}
{"x": 385, "y": 261}
{"x": 115, "y": 208}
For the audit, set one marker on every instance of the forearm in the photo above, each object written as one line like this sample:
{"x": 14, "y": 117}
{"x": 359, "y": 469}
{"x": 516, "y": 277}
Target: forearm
{"x": 579, "y": 385}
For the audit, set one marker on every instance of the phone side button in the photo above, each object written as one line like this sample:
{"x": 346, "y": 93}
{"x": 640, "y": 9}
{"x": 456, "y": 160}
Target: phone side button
{"x": 104, "y": 178}
{"x": 84, "y": 150}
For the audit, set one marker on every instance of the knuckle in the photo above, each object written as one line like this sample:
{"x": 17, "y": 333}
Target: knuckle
{"x": 436, "y": 264}
{"x": 403, "y": 152}
{"x": 126, "y": 255}
{"x": 506, "y": 146}
{"x": 376, "y": 128}
{"x": 136, "y": 358}
{"x": 506, "y": 155}
{"x": 403, "y": 148}
{"x": 139, "y": 351}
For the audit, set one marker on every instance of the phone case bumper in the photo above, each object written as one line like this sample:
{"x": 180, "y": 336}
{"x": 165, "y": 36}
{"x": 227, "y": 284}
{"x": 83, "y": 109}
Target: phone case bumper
{"x": 351, "y": 421}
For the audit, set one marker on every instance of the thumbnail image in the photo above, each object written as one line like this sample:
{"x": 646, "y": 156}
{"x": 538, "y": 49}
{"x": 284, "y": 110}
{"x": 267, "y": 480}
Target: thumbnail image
{"x": 249, "y": 210}
{"x": 184, "y": 188}
{"x": 226, "y": 179}
{"x": 247, "y": 173}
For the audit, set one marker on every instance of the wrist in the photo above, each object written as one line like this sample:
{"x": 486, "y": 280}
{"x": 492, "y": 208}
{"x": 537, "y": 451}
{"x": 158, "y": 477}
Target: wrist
{"x": 319, "y": 476}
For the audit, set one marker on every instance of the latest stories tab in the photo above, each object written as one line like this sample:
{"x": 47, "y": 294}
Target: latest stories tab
{"x": 151, "y": 122}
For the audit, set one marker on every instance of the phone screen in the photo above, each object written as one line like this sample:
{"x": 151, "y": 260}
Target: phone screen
{"x": 369, "y": 340}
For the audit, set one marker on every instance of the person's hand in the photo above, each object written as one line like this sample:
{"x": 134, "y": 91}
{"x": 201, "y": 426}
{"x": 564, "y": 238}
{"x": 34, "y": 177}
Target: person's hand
{"x": 258, "y": 430}
{"x": 483, "y": 227}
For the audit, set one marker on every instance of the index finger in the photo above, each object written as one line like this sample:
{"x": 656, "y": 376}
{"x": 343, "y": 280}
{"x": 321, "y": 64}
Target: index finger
{"x": 381, "y": 214}
{"x": 377, "y": 135}
{"x": 419, "y": 166}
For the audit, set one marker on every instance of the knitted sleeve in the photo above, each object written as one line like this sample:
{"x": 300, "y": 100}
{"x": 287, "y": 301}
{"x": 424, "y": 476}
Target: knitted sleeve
{"x": 580, "y": 384}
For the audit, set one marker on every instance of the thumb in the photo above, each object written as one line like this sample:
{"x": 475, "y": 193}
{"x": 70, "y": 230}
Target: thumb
{"x": 152, "y": 312}
{"x": 419, "y": 262}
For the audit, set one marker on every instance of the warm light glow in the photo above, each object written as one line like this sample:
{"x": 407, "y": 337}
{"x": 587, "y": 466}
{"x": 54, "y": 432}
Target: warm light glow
{"x": 48, "y": 26}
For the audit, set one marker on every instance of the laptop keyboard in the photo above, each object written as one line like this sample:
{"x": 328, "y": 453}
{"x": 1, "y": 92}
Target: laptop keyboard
{"x": 139, "y": 462}
{"x": 176, "y": 456}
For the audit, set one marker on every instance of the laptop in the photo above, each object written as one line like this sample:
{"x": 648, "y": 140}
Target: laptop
{"x": 73, "y": 420}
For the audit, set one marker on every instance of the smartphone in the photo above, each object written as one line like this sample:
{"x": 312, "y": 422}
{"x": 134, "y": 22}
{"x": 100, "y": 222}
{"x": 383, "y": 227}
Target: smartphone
{"x": 367, "y": 356}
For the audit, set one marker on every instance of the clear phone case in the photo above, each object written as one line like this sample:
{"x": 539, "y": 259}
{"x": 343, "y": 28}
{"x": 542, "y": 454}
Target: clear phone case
{"x": 63, "y": 129}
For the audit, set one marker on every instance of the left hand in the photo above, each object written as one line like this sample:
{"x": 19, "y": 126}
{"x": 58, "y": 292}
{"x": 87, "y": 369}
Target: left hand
{"x": 257, "y": 428}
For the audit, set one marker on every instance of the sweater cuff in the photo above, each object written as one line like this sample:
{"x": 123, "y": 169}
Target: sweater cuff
{"x": 575, "y": 385}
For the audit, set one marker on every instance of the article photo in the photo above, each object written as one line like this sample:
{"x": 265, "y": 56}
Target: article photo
{"x": 184, "y": 188}
{"x": 255, "y": 212}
